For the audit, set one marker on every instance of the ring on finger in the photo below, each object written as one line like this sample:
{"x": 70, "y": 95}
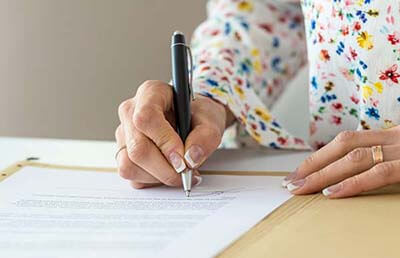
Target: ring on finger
{"x": 377, "y": 154}
{"x": 119, "y": 150}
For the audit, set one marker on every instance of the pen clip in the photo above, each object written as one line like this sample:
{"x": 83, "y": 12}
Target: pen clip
{"x": 190, "y": 71}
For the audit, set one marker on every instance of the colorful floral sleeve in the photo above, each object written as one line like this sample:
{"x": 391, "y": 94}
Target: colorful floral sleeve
{"x": 245, "y": 54}
{"x": 354, "y": 60}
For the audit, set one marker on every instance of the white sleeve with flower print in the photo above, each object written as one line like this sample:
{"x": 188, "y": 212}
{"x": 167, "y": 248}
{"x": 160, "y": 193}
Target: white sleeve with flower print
{"x": 354, "y": 59}
{"x": 245, "y": 54}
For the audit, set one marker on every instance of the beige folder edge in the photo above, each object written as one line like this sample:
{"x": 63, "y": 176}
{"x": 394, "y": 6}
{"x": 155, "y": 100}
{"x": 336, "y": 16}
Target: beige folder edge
{"x": 308, "y": 226}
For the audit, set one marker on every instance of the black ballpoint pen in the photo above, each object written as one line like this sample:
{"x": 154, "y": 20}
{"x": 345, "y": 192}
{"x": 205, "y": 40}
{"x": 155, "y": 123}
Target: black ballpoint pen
{"x": 183, "y": 95}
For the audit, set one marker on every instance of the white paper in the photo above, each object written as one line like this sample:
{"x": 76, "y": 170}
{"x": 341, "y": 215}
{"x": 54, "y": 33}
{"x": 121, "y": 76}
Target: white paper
{"x": 61, "y": 213}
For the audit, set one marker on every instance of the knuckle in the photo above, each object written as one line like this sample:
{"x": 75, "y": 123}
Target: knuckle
{"x": 125, "y": 171}
{"x": 137, "y": 150}
{"x": 148, "y": 84}
{"x": 343, "y": 140}
{"x": 309, "y": 160}
{"x": 384, "y": 170}
{"x": 357, "y": 155}
{"x": 395, "y": 132}
{"x": 390, "y": 135}
{"x": 142, "y": 118}
{"x": 118, "y": 132}
{"x": 124, "y": 108}
{"x": 320, "y": 176}
{"x": 345, "y": 136}
{"x": 355, "y": 183}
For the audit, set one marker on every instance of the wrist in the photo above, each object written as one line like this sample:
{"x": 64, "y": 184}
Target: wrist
{"x": 223, "y": 112}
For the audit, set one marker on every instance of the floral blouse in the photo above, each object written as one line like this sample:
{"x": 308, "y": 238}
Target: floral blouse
{"x": 246, "y": 52}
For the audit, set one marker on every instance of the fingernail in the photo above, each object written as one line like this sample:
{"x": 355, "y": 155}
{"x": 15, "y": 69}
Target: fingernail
{"x": 194, "y": 156}
{"x": 177, "y": 162}
{"x": 332, "y": 189}
{"x": 296, "y": 185}
{"x": 287, "y": 180}
{"x": 197, "y": 180}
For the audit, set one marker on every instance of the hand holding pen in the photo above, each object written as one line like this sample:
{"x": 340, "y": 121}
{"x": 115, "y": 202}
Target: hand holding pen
{"x": 151, "y": 152}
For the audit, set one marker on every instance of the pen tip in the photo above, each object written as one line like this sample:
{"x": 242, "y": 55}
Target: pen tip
{"x": 187, "y": 193}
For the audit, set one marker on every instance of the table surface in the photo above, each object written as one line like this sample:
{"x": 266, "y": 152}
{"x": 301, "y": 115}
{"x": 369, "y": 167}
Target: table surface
{"x": 101, "y": 154}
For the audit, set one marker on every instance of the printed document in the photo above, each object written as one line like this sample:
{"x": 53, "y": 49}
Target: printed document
{"x": 47, "y": 212}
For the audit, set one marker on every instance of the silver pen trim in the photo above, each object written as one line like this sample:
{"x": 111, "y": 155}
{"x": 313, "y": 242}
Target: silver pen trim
{"x": 187, "y": 181}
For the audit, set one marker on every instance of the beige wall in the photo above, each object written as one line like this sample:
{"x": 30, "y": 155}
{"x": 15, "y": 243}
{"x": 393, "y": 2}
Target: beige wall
{"x": 66, "y": 64}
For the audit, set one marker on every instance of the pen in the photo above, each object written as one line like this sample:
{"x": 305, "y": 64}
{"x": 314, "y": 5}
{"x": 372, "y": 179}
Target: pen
{"x": 183, "y": 94}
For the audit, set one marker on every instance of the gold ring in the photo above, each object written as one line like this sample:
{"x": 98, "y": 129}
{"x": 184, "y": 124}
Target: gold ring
{"x": 377, "y": 154}
{"x": 119, "y": 150}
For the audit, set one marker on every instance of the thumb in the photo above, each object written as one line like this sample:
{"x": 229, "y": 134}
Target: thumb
{"x": 208, "y": 125}
{"x": 202, "y": 141}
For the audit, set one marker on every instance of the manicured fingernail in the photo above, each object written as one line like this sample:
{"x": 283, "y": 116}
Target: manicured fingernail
{"x": 177, "y": 162}
{"x": 296, "y": 185}
{"x": 197, "y": 180}
{"x": 332, "y": 189}
{"x": 287, "y": 180}
{"x": 194, "y": 156}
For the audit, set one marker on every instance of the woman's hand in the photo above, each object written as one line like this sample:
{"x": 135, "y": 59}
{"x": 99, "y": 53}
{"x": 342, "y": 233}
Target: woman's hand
{"x": 345, "y": 167}
{"x": 154, "y": 152}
